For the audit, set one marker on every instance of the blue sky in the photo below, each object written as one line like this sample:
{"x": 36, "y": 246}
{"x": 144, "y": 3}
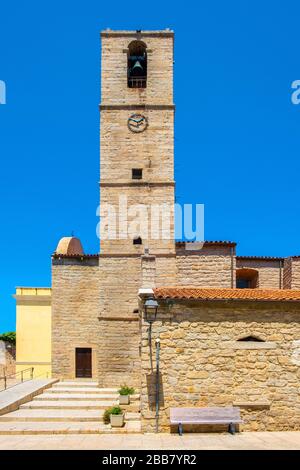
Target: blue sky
{"x": 237, "y": 132}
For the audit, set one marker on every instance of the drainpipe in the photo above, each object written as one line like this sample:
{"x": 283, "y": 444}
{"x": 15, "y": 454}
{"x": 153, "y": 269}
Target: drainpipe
{"x": 150, "y": 345}
{"x": 157, "y": 345}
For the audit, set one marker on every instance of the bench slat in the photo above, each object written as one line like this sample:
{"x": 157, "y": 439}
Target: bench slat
{"x": 216, "y": 415}
{"x": 199, "y": 421}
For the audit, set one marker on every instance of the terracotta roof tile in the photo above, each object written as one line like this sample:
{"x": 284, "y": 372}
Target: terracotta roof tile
{"x": 83, "y": 256}
{"x": 267, "y": 258}
{"x": 197, "y": 293}
{"x": 208, "y": 243}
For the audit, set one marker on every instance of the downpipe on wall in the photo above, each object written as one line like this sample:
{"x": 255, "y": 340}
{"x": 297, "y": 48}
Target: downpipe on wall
{"x": 157, "y": 347}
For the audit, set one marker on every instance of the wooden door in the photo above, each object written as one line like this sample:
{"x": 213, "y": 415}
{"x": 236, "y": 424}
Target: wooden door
{"x": 83, "y": 362}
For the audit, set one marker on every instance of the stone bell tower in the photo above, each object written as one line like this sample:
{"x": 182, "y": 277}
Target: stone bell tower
{"x": 137, "y": 163}
{"x": 137, "y": 133}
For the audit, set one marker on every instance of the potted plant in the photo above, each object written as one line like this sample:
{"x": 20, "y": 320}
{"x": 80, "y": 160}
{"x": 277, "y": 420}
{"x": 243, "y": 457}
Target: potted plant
{"x": 124, "y": 393}
{"x": 115, "y": 416}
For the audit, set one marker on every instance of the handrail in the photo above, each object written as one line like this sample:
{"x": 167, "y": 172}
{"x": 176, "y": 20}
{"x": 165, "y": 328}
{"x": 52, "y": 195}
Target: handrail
{"x": 16, "y": 373}
{"x": 5, "y": 377}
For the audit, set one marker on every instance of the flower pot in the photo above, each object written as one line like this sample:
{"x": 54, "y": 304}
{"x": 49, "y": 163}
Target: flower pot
{"x": 124, "y": 399}
{"x": 117, "y": 421}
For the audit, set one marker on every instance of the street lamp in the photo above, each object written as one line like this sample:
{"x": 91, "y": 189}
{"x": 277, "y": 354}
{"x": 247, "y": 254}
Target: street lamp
{"x": 151, "y": 307}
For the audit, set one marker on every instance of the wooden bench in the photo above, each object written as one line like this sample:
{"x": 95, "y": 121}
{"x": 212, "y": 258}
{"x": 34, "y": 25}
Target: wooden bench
{"x": 215, "y": 415}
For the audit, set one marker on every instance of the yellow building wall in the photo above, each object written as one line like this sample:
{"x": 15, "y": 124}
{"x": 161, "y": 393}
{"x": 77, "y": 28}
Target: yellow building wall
{"x": 33, "y": 331}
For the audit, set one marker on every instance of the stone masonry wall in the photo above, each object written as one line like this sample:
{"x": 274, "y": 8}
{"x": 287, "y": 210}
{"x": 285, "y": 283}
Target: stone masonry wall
{"x": 212, "y": 266}
{"x": 122, "y": 150}
{"x": 75, "y": 312}
{"x": 202, "y": 363}
{"x": 269, "y": 273}
{"x": 118, "y": 353}
{"x": 295, "y": 273}
{"x": 7, "y": 358}
{"x": 114, "y": 70}
{"x": 287, "y": 273}
{"x": 119, "y": 335}
{"x": 292, "y": 273}
{"x": 149, "y": 196}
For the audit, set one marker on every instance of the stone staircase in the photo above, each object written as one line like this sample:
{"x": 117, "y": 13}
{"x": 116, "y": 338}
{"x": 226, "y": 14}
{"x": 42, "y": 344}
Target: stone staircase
{"x": 71, "y": 407}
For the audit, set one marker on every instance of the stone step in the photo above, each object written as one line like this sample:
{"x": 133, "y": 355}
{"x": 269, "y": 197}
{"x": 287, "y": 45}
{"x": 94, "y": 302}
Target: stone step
{"x": 69, "y": 383}
{"x": 66, "y": 428}
{"x": 103, "y": 391}
{"x": 69, "y": 404}
{"x": 39, "y": 415}
{"x": 132, "y": 416}
{"x": 58, "y": 395}
{"x": 53, "y": 415}
{"x": 76, "y": 397}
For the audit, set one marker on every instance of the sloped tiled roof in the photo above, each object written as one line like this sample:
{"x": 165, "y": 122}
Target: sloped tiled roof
{"x": 199, "y": 293}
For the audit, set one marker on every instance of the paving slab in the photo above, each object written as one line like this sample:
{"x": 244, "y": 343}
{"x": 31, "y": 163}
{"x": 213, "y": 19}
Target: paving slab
{"x": 121, "y": 441}
{"x": 39, "y": 428}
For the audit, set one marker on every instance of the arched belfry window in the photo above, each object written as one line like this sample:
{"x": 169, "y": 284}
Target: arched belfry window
{"x": 137, "y": 65}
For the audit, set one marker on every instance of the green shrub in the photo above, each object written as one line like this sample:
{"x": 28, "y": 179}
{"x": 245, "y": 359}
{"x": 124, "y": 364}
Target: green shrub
{"x": 9, "y": 336}
{"x": 113, "y": 410}
{"x": 124, "y": 390}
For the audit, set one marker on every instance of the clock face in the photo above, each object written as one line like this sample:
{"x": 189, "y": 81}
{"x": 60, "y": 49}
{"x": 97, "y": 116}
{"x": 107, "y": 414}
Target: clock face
{"x": 137, "y": 123}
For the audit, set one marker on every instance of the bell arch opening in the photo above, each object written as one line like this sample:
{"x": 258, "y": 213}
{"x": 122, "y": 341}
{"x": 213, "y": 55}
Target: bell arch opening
{"x": 137, "y": 65}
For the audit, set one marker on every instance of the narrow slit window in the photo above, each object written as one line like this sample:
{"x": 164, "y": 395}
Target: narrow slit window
{"x": 251, "y": 338}
{"x": 137, "y": 241}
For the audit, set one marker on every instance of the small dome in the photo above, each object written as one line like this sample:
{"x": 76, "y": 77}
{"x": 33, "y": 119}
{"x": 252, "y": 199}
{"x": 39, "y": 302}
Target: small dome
{"x": 69, "y": 246}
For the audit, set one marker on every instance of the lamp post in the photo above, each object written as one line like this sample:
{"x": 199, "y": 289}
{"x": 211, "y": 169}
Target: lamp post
{"x": 151, "y": 307}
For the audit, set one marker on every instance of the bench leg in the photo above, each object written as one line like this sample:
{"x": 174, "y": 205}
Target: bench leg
{"x": 231, "y": 428}
{"x": 180, "y": 429}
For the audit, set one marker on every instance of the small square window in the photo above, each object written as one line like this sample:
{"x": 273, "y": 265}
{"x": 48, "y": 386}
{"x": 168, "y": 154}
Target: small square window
{"x": 137, "y": 173}
{"x": 137, "y": 241}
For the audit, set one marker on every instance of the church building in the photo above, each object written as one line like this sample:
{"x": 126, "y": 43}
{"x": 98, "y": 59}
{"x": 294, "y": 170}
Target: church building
{"x": 185, "y": 324}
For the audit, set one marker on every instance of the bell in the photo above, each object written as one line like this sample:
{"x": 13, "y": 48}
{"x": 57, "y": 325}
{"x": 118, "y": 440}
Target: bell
{"x": 137, "y": 66}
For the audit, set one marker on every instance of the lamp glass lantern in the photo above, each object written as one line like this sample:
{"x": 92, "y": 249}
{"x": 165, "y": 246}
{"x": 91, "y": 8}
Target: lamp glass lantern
{"x": 151, "y": 307}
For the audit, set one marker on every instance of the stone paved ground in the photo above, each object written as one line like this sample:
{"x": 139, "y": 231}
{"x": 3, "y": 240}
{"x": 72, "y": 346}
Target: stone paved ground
{"x": 242, "y": 441}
